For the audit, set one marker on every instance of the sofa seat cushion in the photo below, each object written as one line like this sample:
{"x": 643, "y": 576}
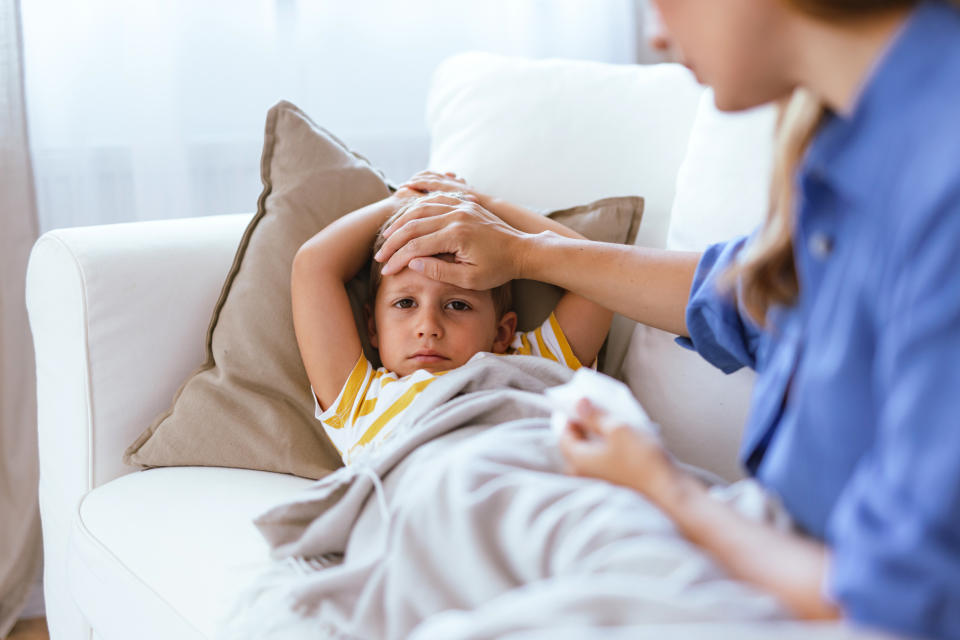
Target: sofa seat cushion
{"x": 172, "y": 546}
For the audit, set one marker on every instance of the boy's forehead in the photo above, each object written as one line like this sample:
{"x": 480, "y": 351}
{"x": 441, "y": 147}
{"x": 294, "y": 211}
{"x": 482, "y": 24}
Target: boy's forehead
{"x": 409, "y": 281}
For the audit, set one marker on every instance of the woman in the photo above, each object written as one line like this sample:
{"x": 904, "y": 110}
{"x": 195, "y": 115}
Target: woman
{"x": 847, "y": 304}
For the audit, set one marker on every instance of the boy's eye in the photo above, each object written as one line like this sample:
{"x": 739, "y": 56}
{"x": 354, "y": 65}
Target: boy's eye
{"x": 404, "y": 303}
{"x": 458, "y": 305}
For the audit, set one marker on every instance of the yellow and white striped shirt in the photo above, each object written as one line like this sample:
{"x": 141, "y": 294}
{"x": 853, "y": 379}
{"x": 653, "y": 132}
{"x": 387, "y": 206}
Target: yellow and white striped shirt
{"x": 364, "y": 413}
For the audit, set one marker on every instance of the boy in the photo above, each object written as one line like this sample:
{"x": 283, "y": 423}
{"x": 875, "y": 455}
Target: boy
{"x": 421, "y": 327}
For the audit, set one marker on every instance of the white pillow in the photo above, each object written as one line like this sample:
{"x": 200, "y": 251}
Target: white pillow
{"x": 722, "y": 191}
{"x": 723, "y": 185}
{"x": 550, "y": 134}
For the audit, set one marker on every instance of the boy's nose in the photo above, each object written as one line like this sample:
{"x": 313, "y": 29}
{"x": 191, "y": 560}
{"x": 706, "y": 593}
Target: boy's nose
{"x": 433, "y": 332}
{"x": 429, "y": 326}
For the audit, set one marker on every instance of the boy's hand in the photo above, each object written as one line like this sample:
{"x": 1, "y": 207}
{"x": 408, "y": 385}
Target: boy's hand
{"x": 430, "y": 181}
{"x": 404, "y": 195}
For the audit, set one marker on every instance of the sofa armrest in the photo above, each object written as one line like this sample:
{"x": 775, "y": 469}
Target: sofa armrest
{"x": 119, "y": 315}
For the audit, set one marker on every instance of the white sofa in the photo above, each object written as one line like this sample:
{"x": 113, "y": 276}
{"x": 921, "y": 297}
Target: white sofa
{"x": 160, "y": 553}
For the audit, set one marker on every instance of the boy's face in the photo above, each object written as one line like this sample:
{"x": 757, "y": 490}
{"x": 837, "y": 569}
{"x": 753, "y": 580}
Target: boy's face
{"x": 421, "y": 323}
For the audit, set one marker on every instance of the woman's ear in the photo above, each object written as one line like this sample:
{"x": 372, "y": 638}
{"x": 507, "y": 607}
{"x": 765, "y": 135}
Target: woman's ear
{"x": 506, "y": 327}
{"x": 371, "y": 325}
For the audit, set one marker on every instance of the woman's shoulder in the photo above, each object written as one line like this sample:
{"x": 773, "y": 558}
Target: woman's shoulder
{"x": 923, "y": 137}
{"x": 929, "y": 65}
{"x": 928, "y": 173}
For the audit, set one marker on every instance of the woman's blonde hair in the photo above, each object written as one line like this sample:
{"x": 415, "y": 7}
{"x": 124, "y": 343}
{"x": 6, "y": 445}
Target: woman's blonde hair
{"x": 766, "y": 274}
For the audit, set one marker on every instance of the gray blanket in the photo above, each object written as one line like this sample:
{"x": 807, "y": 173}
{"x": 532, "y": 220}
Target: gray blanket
{"x": 464, "y": 525}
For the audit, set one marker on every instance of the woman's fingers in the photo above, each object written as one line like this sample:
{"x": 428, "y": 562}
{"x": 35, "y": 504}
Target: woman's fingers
{"x": 421, "y": 259}
{"x": 586, "y": 409}
{"x": 582, "y": 455}
{"x": 408, "y": 238}
{"x": 593, "y": 420}
{"x": 410, "y": 231}
{"x": 416, "y": 211}
{"x": 577, "y": 430}
{"x": 438, "y": 269}
{"x": 427, "y": 238}
{"x": 423, "y": 208}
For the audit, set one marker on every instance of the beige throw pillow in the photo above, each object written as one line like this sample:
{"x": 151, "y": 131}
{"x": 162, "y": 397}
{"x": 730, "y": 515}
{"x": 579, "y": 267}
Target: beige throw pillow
{"x": 608, "y": 220}
{"x": 249, "y": 404}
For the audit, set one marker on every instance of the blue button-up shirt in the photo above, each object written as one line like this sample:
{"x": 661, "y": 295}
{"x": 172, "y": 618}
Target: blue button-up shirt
{"x": 864, "y": 450}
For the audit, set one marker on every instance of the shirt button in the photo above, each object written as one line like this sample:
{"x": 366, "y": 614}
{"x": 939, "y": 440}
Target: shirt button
{"x": 821, "y": 245}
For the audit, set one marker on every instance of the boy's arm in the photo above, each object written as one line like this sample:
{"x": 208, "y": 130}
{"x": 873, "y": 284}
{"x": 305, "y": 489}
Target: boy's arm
{"x": 584, "y": 322}
{"x": 322, "y": 318}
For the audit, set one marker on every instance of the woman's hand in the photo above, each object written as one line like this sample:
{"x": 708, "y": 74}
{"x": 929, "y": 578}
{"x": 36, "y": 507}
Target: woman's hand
{"x": 486, "y": 251}
{"x": 791, "y": 567}
{"x": 597, "y": 446}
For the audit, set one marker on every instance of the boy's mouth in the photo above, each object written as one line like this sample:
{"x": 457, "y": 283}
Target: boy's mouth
{"x": 428, "y": 355}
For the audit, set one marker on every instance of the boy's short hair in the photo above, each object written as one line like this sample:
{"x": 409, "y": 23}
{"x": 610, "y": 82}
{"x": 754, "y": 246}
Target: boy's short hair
{"x": 502, "y": 295}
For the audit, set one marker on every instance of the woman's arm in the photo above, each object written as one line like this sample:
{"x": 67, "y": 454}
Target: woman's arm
{"x": 322, "y": 318}
{"x": 651, "y": 286}
{"x": 786, "y": 565}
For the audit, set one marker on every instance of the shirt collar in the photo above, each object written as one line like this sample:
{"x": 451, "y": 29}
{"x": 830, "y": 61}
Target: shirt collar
{"x": 848, "y": 149}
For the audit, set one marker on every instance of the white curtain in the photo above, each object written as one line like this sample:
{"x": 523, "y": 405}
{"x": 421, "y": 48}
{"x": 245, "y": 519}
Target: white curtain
{"x": 19, "y": 517}
{"x": 155, "y": 109}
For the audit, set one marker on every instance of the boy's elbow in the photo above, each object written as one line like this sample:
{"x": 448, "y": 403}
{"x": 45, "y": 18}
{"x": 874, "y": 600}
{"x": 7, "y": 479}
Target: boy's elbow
{"x": 308, "y": 261}
{"x": 305, "y": 254}
{"x": 587, "y": 353}
{"x": 299, "y": 265}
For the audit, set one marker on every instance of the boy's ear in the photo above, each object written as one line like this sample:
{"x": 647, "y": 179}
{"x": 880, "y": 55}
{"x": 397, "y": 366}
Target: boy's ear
{"x": 371, "y": 325}
{"x": 506, "y": 327}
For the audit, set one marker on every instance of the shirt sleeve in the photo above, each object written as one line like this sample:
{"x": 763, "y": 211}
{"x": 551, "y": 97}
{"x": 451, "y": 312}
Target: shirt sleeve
{"x": 547, "y": 341}
{"x": 341, "y": 413}
{"x": 895, "y": 531}
{"x": 719, "y": 331}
